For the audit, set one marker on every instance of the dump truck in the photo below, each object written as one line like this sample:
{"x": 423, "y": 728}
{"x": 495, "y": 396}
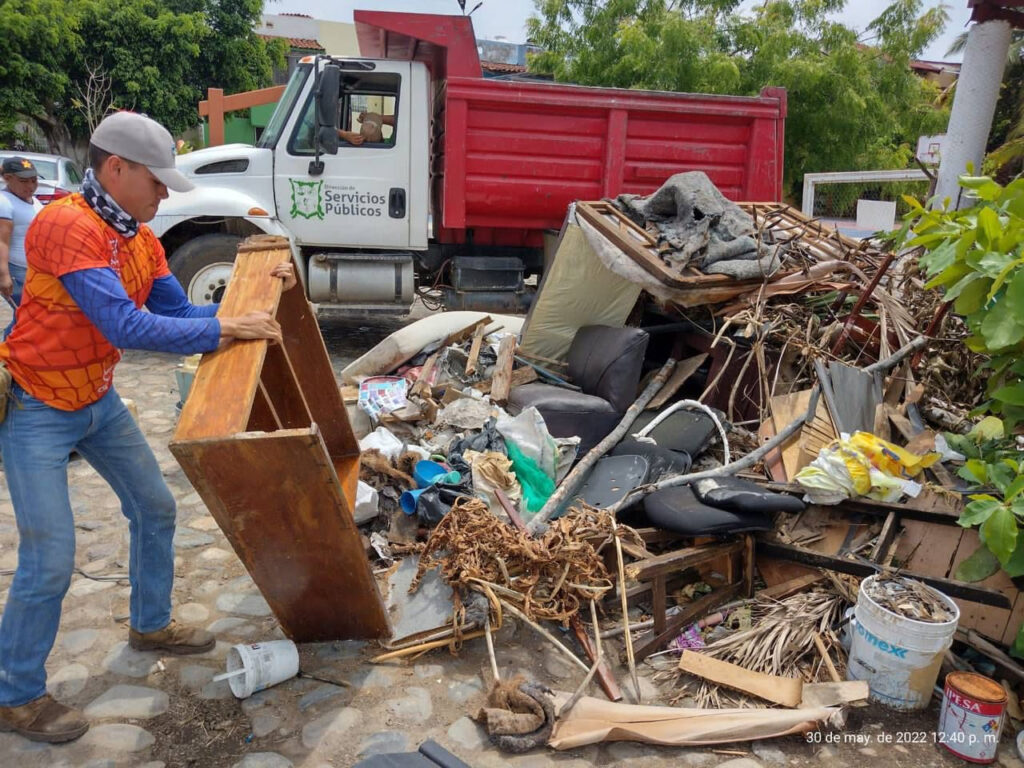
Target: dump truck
{"x": 406, "y": 172}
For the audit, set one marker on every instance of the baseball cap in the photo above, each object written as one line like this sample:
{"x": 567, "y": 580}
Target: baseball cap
{"x": 142, "y": 140}
{"x": 20, "y": 167}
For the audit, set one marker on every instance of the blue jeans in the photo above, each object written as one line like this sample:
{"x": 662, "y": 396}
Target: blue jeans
{"x": 36, "y": 441}
{"x": 18, "y": 274}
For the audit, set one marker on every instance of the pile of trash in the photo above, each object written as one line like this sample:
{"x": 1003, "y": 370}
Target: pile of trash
{"x": 768, "y": 389}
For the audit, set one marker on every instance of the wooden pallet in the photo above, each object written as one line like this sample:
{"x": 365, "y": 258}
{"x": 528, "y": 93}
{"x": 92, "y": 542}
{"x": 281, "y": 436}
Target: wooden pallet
{"x": 265, "y": 439}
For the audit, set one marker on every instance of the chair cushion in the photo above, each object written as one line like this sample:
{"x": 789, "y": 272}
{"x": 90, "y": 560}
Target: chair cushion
{"x": 678, "y": 510}
{"x": 739, "y": 495}
{"x": 567, "y": 413}
{"x": 606, "y": 362}
{"x": 661, "y": 461}
{"x": 684, "y": 430}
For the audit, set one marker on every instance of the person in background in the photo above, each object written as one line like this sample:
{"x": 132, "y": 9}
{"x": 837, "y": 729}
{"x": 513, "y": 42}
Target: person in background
{"x": 18, "y": 206}
{"x": 370, "y": 129}
{"x": 93, "y": 264}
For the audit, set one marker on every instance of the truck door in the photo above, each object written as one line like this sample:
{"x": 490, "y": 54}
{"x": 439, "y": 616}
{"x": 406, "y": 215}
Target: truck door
{"x": 362, "y": 197}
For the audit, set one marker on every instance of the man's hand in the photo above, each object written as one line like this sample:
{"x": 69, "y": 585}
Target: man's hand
{"x": 255, "y": 325}
{"x": 6, "y": 283}
{"x": 286, "y": 272}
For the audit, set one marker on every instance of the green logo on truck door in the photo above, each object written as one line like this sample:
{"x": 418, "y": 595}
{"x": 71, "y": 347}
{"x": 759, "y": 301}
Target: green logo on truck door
{"x": 307, "y": 199}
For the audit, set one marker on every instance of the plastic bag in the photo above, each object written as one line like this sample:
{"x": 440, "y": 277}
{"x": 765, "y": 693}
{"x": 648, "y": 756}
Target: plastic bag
{"x": 530, "y": 434}
{"x": 382, "y": 440}
{"x": 537, "y": 486}
{"x": 891, "y": 458}
{"x": 862, "y": 465}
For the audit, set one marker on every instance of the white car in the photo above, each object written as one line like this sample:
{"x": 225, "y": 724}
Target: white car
{"x": 59, "y": 176}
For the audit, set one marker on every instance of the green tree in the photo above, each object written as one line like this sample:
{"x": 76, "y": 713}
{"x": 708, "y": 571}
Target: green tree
{"x": 852, "y": 105}
{"x": 153, "y": 56}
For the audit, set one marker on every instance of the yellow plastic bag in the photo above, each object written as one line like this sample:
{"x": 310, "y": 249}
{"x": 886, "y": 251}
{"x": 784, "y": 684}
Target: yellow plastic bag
{"x": 862, "y": 465}
{"x": 891, "y": 458}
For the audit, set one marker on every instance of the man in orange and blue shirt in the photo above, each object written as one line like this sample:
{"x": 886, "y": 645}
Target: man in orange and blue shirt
{"x": 92, "y": 265}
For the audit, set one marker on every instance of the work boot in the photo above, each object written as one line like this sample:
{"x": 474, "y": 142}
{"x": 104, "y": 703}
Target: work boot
{"x": 173, "y": 638}
{"x": 44, "y": 719}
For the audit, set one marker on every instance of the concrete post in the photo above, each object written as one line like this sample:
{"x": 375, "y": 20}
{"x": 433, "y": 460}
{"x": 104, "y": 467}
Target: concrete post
{"x": 974, "y": 105}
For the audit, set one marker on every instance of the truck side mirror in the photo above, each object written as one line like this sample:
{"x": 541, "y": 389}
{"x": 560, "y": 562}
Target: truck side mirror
{"x": 327, "y": 97}
{"x": 327, "y": 138}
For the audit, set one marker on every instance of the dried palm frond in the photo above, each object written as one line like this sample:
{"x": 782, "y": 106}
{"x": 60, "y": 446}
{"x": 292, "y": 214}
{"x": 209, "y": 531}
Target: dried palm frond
{"x": 780, "y": 641}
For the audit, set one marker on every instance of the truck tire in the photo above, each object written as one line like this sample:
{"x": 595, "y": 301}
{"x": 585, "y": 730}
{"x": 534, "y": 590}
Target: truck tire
{"x": 203, "y": 266}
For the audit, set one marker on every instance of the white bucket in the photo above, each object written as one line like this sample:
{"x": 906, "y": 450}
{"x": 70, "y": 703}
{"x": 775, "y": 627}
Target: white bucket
{"x": 898, "y": 657}
{"x": 261, "y": 665}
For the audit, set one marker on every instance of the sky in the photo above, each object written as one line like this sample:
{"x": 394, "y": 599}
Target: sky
{"x": 507, "y": 18}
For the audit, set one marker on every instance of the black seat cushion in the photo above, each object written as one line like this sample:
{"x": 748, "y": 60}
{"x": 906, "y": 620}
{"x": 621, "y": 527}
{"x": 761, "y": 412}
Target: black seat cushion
{"x": 684, "y": 430}
{"x": 739, "y": 495}
{"x": 678, "y": 510}
{"x": 606, "y": 362}
{"x": 661, "y": 462}
{"x": 567, "y": 413}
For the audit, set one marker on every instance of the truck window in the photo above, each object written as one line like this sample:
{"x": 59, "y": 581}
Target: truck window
{"x": 368, "y": 114}
{"x": 268, "y": 139}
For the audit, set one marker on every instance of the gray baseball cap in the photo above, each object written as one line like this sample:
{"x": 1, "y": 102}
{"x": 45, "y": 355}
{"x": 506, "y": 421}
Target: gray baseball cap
{"x": 142, "y": 140}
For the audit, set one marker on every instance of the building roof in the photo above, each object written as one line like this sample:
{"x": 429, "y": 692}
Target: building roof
{"x": 302, "y": 43}
{"x": 920, "y": 65}
{"x": 297, "y": 15}
{"x": 502, "y": 67}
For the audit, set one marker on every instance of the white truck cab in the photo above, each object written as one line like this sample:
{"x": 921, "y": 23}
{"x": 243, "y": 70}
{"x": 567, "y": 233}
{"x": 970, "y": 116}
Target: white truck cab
{"x": 341, "y": 170}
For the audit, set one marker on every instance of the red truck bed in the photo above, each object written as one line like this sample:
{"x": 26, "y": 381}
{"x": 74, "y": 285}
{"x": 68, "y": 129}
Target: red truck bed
{"x": 510, "y": 155}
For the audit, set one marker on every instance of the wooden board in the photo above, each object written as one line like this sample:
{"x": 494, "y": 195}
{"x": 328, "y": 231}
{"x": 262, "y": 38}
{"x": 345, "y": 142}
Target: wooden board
{"x": 786, "y": 691}
{"x": 279, "y": 502}
{"x": 988, "y": 621}
{"x": 803, "y": 447}
{"x": 684, "y": 370}
{"x": 265, "y": 439}
{"x": 501, "y": 381}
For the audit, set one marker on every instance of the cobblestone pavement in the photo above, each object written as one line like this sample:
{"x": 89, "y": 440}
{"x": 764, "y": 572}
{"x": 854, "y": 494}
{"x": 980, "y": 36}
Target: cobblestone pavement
{"x": 148, "y": 710}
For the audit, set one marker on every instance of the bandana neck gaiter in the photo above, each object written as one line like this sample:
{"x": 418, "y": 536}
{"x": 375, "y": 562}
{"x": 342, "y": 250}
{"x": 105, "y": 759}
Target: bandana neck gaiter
{"x": 104, "y": 205}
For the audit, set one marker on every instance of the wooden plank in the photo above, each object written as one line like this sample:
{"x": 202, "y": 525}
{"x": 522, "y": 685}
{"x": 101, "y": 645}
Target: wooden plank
{"x": 990, "y": 622}
{"x": 785, "y": 691}
{"x": 422, "y": 384}
{"x": 263, "y": 417}
{"x": 292, "y": 529}
{"x": 954, "y": 589}
{"x": 928, "y": 548}
{"x": 501, "y": 381}
{"x": 225, "y": 383}
{"x": 884, "y": 542}
{"x": 690, "y": 557}
{"x": 464, "y": 333}
{"x": 474, "y": 350}
{"x": 922, "y": 508}
{"x": 278, "y": 380}
{"x": 791, "y": 587}
{"x": 520, "y": 376}
{"x": 683, "y": 371}
{"x": 605, "y": 677}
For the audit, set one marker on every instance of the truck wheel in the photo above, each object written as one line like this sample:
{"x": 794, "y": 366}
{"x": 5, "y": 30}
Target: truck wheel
{"x": 203, "y": 266}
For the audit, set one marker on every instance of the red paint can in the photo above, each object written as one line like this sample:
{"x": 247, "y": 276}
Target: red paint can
{"x": 971, "y": 720}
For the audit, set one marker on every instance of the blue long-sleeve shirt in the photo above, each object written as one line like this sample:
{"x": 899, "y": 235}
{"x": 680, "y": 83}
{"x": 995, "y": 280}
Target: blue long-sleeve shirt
{"x": 171, "y": 325}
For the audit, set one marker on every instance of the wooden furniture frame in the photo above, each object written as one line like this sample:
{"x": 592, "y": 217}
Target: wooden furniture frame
{"x": 265, "y": 439}
{"x": 656, "y": 571}
{"x": 691, "y": 287}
